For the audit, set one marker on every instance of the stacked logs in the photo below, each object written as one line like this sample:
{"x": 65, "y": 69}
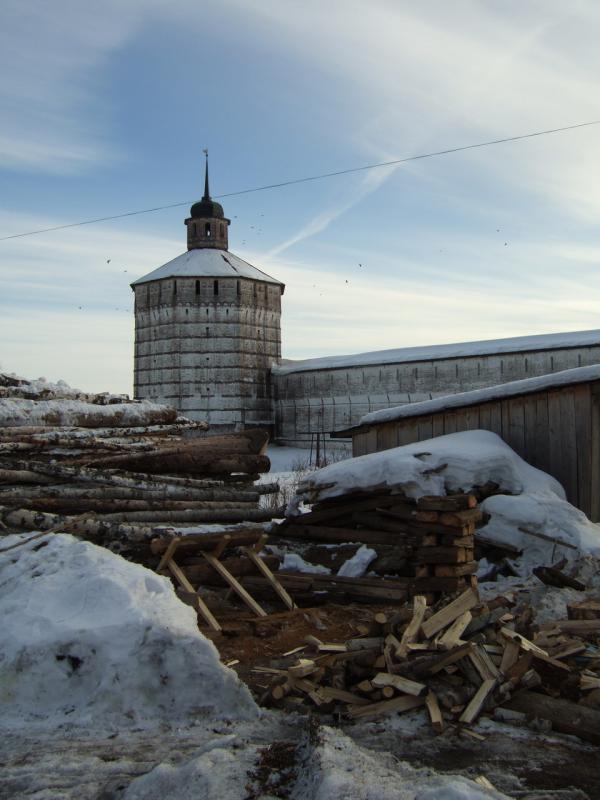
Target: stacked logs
{"x": 118, "y": 485}
{"x": 428, "y": 544}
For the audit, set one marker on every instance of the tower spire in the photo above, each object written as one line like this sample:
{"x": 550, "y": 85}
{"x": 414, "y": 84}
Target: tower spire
{"x": 206, "y": 189}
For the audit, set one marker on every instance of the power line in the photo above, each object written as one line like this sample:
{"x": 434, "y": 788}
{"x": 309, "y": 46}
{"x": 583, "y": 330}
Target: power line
{"x": 322, "y": 176}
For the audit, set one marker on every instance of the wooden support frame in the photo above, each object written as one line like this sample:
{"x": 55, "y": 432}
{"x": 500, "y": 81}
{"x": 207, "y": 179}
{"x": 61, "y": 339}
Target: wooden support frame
{"x": 168, "y": 564}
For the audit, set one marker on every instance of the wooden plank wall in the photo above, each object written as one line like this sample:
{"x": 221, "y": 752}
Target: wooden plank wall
{"x": 557, "y": 431}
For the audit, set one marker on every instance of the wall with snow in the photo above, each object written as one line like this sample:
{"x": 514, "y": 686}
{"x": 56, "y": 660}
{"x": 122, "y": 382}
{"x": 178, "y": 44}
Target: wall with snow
{"x": 337, "y": 392}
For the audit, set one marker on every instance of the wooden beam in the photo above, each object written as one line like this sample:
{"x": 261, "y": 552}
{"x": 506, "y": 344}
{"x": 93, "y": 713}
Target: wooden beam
{"x": 264, "y": 569}
{"x": 187, "y": 586}
{"x": 168, "y": 554}
{"x": 235, "y": 585}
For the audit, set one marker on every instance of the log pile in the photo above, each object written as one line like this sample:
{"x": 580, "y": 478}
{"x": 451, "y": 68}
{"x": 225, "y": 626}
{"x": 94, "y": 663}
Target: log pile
{"x": 457, "y": 660}
{"x": 118, "y": 486}
{"x": 429, "y": 544}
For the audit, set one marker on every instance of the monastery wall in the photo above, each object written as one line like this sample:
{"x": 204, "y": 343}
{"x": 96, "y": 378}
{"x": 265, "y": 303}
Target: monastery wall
{"x": 320, "y": 400}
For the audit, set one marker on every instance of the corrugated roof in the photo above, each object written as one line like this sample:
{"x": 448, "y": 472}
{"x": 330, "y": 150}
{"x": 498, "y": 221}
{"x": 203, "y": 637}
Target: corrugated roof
{"x": 488, "y": 347}
{"x": 207, "y": 263}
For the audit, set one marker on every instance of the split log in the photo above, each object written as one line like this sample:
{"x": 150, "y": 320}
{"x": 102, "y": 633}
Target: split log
{"x": 319, "y": 533}
{"x": 554, "y": 577}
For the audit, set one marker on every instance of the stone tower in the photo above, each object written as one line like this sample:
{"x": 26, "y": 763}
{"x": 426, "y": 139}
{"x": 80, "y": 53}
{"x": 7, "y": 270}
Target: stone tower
{"x": 207, "y": 328}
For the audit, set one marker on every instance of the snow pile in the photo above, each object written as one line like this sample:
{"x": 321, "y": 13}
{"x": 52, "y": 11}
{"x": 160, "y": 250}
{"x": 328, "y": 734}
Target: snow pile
{"x": 12, "y": 385}
{"x": 20, "y": 411}
{"x": 337, "y": 767}
{"x": 534, "y": 504}
{"x": 357, "y": 566}
{"x": 89, "y": 637}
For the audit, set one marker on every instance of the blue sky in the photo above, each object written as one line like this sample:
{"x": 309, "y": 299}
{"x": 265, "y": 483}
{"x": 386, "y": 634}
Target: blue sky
{"x": 106, "y": 107}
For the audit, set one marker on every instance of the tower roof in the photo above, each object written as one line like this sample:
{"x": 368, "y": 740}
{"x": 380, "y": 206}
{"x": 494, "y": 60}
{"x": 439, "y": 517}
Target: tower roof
{"x": 207, "y": 263}
{"x": 207, "y": 207}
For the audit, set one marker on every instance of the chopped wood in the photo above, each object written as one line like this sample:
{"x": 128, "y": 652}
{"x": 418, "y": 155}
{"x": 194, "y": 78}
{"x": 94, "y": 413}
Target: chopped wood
{"x": 397, "y": 682}
{"x": 329, "y": 693}
{"x": 411, "y": 632}
{"x": 435, "y": 714}
{"x": 451, "y": 637}
{"x": 475, "y": 706}
{"x": 304, "y": 667}
{"x": 397, "y": 704}
{"x": 449, "y": 613}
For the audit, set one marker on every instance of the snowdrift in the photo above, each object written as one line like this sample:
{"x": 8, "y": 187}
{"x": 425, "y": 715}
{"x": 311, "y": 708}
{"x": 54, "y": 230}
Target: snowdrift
{"x": 534, "y": 502}
{"x": 90, "y": 637}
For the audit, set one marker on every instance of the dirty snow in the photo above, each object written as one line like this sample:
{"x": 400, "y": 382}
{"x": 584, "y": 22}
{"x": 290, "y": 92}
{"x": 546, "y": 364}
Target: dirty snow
{"x": 460, "y": 461}
{"x": 336, "y": 767}
{"x": 91, "y": 638}
{"x": 476, "y": 396}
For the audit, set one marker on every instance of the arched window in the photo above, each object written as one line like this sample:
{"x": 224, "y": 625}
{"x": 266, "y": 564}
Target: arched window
{"x": 215, "y": 288}
{"x": 238, "y": 288}
{"x": 174, "y": 287}
{"x": 207, "y": 230}
{"x": 197, "y": 287}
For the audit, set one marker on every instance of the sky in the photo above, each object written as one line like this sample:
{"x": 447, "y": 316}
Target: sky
{"x": 105, "y": 108}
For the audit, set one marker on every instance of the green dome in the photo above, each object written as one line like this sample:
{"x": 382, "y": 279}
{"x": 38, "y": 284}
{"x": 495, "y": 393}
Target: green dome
{"x": 207, "y": 208}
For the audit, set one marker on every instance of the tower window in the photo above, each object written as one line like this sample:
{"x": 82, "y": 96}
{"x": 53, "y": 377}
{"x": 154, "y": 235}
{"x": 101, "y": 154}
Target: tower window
{"x": 207, "y": 329}
{"x": 207, "y": 230}
{"x": 222, "y": 229}
{"x": 194, "y": 229}
{"x": 215, "y": 288}
{"x": 174, "y": 287}
{"x": 238, "y": 288}
{"x": 197, "y": 287}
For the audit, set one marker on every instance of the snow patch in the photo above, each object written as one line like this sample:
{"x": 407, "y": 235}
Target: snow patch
{"x": 357, "y": 566}
{"x": 91, "y": 638}
{"x": 293, "y": 562}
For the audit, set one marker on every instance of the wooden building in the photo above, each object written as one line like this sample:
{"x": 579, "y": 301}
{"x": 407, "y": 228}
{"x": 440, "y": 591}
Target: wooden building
{"x": 553, "y": 422}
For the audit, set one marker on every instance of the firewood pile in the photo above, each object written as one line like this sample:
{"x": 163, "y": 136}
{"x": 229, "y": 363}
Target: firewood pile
{"x": 457, "y": 659}
{"x": 427, "y": 545}
{"x": 86, "y": 469}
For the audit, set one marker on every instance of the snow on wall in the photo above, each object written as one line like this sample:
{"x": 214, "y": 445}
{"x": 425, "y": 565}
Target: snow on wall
{"x": 89, "y": 637}
{"x": 527, "y": 386}
{"x": 548, "y": 341}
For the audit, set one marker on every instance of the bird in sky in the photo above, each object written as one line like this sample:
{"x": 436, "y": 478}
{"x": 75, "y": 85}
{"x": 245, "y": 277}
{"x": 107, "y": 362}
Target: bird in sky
{"x": 108, "y": 261}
